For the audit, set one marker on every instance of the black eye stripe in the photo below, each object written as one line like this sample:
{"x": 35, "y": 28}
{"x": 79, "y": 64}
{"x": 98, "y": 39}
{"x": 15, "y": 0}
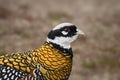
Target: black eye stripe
{"x": 58, "y": 32}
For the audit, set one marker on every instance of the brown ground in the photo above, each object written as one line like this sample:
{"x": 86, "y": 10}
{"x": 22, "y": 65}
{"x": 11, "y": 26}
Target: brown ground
{"x": 24, "y": 25}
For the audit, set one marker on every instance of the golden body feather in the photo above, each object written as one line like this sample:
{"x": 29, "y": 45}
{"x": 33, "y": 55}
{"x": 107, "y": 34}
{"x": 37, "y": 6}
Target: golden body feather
{"x": 54, "y": 65}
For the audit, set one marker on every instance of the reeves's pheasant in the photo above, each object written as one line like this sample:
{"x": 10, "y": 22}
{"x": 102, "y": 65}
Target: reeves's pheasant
{"x": 52, "y": 61}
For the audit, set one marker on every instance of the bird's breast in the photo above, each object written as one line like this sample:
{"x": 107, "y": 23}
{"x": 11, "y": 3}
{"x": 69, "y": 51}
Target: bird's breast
{"x": 55, "y": 64}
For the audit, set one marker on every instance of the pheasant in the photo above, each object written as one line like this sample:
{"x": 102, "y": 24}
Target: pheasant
{"x": 52, "y": 61}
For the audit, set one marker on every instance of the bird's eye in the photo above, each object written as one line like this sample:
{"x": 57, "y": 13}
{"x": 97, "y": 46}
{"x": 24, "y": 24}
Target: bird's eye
{"x": 67, "y": 29}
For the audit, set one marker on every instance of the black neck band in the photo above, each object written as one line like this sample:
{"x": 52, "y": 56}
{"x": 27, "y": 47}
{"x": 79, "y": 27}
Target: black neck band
{"x": 63, "y": 50}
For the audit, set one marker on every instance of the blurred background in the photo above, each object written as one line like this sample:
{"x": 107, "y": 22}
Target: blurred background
{"x": 24, "y": 25}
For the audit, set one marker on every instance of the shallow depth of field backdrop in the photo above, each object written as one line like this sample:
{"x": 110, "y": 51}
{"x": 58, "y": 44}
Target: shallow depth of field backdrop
{"x": 24, "y": 25}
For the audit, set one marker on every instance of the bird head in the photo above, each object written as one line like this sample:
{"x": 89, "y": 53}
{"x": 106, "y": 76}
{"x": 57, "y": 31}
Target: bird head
{"x": 64, "y": 34}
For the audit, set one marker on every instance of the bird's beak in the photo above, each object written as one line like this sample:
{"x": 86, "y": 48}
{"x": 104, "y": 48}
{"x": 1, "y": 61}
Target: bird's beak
{"x": 82, "y": 35}
{"x": 80, "y": 32}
